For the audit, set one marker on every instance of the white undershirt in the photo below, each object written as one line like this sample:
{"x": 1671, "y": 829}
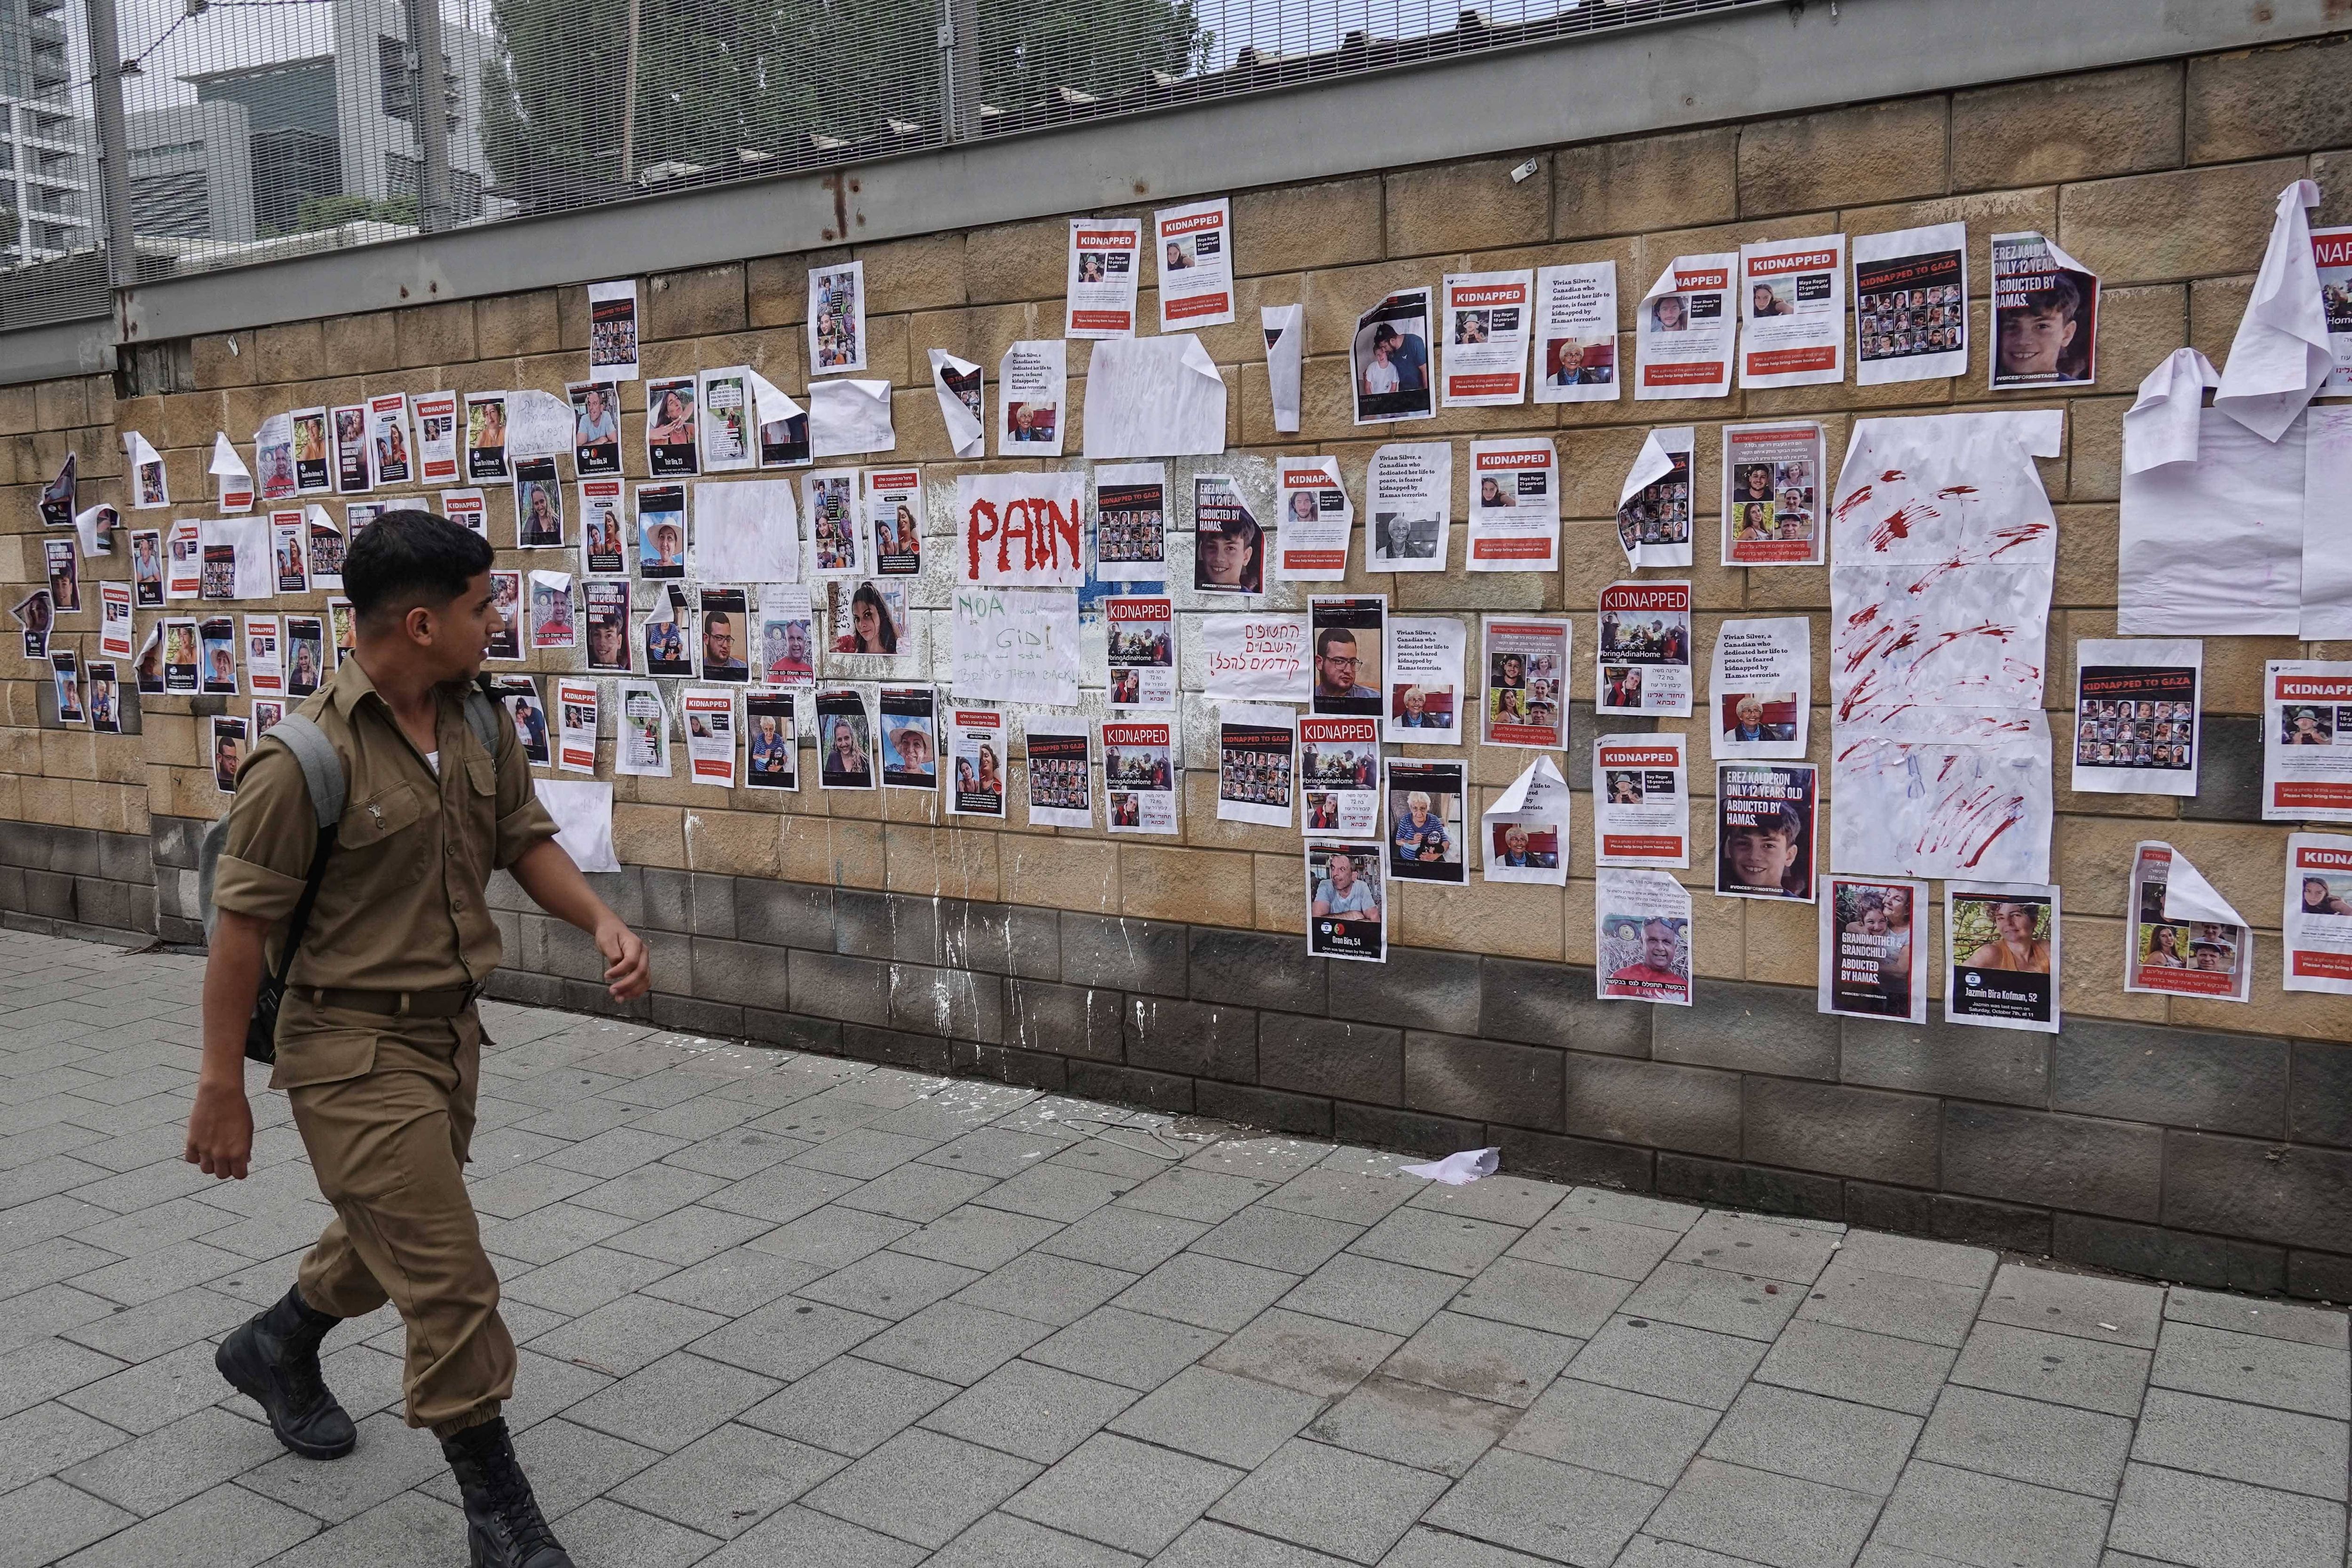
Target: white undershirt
{"x": 432, "y": 760}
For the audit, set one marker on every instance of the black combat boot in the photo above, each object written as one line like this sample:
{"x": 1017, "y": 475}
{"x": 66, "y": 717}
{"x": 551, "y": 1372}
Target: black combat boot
{"x": 502, "y": 1518}
{"x": 274, "y": 1360}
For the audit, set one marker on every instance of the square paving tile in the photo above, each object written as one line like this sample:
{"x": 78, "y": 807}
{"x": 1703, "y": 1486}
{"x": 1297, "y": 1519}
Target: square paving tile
{"x": 1986, "y": 1522}
{"x": 2203, "y": 1521}
{"x": 1832, "y": 1441}
{"x": 1330, "y": 1500}
{"x": 1036, "y": 1412}
{"x": 2028, "y": 1440}
{"x": 1499, "y": 1362}
{"x": 1552, "y": 1510}
{"x": 1232, "y": 1420}
{"x": 1124, "y": 1494}
{"x": 1413, "y": 1423}
{"x": 725, "y": 1483}
{"x": 2250, "y": 1443}
{"x": 849, "y": 1406}
{"x": 1637, "y": 1435}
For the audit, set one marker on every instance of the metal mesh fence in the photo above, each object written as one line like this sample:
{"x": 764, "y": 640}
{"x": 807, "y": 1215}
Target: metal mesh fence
{"x": 256, "y": 129}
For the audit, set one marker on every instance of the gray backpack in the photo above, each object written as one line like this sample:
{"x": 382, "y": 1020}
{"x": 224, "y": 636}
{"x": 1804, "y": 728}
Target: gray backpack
{"x": 323, "y": 774}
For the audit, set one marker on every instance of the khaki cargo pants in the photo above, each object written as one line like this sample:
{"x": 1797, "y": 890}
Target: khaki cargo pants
{"x": 386, "y": 1106}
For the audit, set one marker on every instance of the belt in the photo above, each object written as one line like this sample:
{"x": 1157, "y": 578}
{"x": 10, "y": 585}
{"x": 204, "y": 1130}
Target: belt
{"x": 445, "y": 1004}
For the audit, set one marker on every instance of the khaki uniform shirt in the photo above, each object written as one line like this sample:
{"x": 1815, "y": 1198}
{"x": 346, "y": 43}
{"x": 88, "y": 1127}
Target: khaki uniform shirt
{"x": 401, "y": 908}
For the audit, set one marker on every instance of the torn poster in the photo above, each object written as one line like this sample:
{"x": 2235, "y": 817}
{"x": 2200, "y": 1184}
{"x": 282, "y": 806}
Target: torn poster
{"x": 60, "y": 498}
{"x": 661, "y": 531}
{"x": 1153, "y": 397}
{"x": 1641, "y": 800}
{"x": 1099, "y": 301}
{"x": 149, "y": 488}
{"x": 784, "y": 427}
{"x": 575, "y": 725}
{"x": 583, "y": 812}
{"x": 1346, "y": 902}
{"x": 1228, "y": 546}
{"x": 1654, "y": 505}
{"x": 893, "y": 498}
{"x": 314, "y": 467}
{"x": 1911, "y": 304}
{"x": 2331, "y": 256}
{"x": 612, "y": 330}
{"x": 2212, "y": 524}
{"x": 1132, "y": 522}
{"x": 2045, "y": 315}
{"x": 1874, "y": 950}
{"x": 772, "y": 746}
{"x": 1761, "y": 689}
{"x": 1139, "y": 776}
{"x": 436, "y": 436}
{"x": 1682, "y": 339}
{"x": 1642, "y": 938}
{"x": 836, "y": 318}
{"x": 2001, "y": 943}
{"x": 115, "y": 618}
{"x": 641, "y": 732}
{"x": 1285, "y": 327}
{"x": 1645, "y": 651}
{"x": 849, "y": 417}
{"x": 37, "y": 618}
{"x": 1424, "y": 821}
{"x": 1942, "y": 561}
{"x": 1339, "y": 776}
{"x": 1022, "y": 529}
{"x": 707, "y": 713}
{"x": 232, "y": 482}
{"x": 2136, "y": 716}
{"x": 551, "y": 624}
{"x": 2318, "y": 924}
{"x": 1485, "y": 324}
{"x": 273, "y": 457}
{"x": 604, "y": 534}
{"x": 2185, "y": 939}
{"x": 1254, "y": 657}
{"x": 327, "y": 547}
{"x": 2306, "y": 741}
{"x": 1409, "y": 490}
{"x": 1515, "y": 505}
{"x": 963, "y": 403}
{"x": 728, "y": 441}
{"x": 1767, "y": 830}
{"x": 1256, "y": 742}
{"x": 979, "y": 754}
{"x": 2327, "y": 609}
{"x": 1317, "y": 522}
{"x": 2281, "y": 356}
{"x": 747, "y": 531}
{"x": 836, "y": 542}
{"x": 1773, "y": 480}
{"x": 1033, "y": 383}
{"x": 1792, "y": 313}
{"x": 486, "y": 439}
{"x": 1014, "y": 645}
{"x": 1061, "y": 787}
{"x": 1576, "y": 333}
{"x": 147, "y": 672}
{"x": 1425, "y": 680}
{"x": 388, "y": 440}
{"x": 666, "y": 628}
{"x": 1140, "y": 646}
{"x": 1388, "y": 359}
{"x": 1523, "y": 836}
{"x": 1194, "y": 245}
{"x": 1527, "y": 680}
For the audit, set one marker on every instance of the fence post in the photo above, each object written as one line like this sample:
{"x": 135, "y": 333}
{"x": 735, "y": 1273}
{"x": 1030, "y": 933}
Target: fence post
{"x": 430, "y": 90}
{"x": 959, "y": 68}
{"x": 113, "y": 145}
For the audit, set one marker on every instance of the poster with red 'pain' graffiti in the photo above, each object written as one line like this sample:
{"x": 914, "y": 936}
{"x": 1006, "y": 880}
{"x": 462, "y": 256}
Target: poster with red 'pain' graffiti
{"x": 1021, "y": 530}
{"x": 1944, "y": 548}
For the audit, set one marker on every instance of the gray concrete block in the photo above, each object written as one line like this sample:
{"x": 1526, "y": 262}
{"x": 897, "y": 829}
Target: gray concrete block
{"x": 2312, "y": 1379}
{"x": 2203, "y": 1520}
{"x": 923, "y": 1487}
{"x": 2059, "y": 1368}
{"x": 1499, "y": 1362}
{"x": 1254, "y": 969}
{"x": 2252, "y": 1443}
{"x": 855, "y": 990}
{"x": 2112, "y": 1311}
{"x": 1420, "y": 988}
{"x": 1614, "y": 1430}
{"x": 1752, "y": 1244}
{"x": 1754, "y": 1515}
{"x": 126, "y": 858}
{"x": 1417, "y": 1132}
{"x": 1218, "y": 1417}
{"x": 713, "y": 904}
{"x": 2009, "y": 1067}
{"x": 2065, "y": 1162}
{"x": 1897, "y": 1304}
{"x": 1537, "y": 1296}
{"x": 1846, "y": 1363}
{"x": 2235, "y": 1187}
{"x": 2011, "y": 1227}
{"x": 1000, "y": 939}
{"x": 1833, "y": 1442}
{"x": 1846, "y": 1132}
{"x": 175, "y": 840}
{"x": 1304, "y": 1116}
{"x": 73, "y": 851}
{"x": 1694, "y": 1110}
{"x": 2268, "y": 1319}
{"x": 1327, "y": 1499}
{"x": 1133, "y": 1350}
{"x": 1553, "y": 1004}
{"x": 2028, "y": 1440}
{"x": 1716, "y": 1300}
{"x": 1938, "y": 1509}
{"x": 1170, "y": 1092}
{"x": 1571, "y": 1161}
{"x": 1037, "y": 1412}
{"x": 1191, "y": 1038}
{"x": 1750, "y": 1029}
{"x": 2173, "y": 1076}
{"x": 1728, "y": 1183}
{"x": 1487, "y": 1080}
{"x": 1125, "y": 1494}
{"x": 953, "y": 1341}
{"x": 670, "y": 900}
{"x": 2161, "y": 1254}
{"x": 1556, "y": 1512}
{"x": 2319, "y": 1108}
{"x": 734, "y": 972}
{"x": 1330, "y": 1056}
{"x": 951, "y": 1002}
{"x": 1691, "y": 1366}
{"x": 1122, "y": 954}
{"x": 1064, "y": 1020}
{"x": 671, "y": 1403}
{"x": 783, "y": 914}
{"x": 2229, "y": 771}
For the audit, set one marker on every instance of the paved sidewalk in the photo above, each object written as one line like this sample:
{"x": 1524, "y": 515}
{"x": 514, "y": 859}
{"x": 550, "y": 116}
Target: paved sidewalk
{"x": 783, "y": 1310}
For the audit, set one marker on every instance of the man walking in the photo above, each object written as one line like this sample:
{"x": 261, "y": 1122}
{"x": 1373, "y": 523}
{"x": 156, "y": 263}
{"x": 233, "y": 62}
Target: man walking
{"x": 379, "y": 1045}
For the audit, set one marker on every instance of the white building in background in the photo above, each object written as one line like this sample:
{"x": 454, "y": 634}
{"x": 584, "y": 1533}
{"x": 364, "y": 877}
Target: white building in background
{"x": 47, "y": 206}
{"x": 192, "y": 173}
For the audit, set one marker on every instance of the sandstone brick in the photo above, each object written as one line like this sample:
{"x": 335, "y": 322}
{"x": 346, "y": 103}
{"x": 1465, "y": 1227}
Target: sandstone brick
{"x": 189, "y": 419}
{"x": 776, "y": 289}
{"x": 364, "y": 345}
{"x": 2069, "y": 128}
{"x": 511, "y": 324}
{"x": 696, "y": 303}
{"x": 2216, "y": 305}
{"x": 732, "y": 843}
{"x": 1020, "y": 261}
{"x": 2254, "y": 103}
{"x": 434, "y": 334}
{"x": 223, "y": 359}
{"x": 650, "y": 835}
{"x": 920, "y": 274}
{"x": 942, "y": 862}
{"x": 1466, "y": 206}
{"x": 1647, "y": 182}
{"x": 1846, "y": 157}
{"x": 2192, "y": 223}
{"x": 1061, "y": 873}
{"x": 1282, "y": 230}
{"x": 61, "y": 404}
{"x": 1212, "y": 886}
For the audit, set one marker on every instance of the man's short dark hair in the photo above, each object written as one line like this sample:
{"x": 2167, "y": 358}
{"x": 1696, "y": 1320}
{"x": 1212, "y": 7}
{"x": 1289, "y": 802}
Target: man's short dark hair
{"x": 1329, "y": 634}
{"x": 408, "y": 558}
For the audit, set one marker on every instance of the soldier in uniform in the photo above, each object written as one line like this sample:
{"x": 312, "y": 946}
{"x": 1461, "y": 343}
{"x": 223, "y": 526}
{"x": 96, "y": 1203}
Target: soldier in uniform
{"x": 379, "y": 1045}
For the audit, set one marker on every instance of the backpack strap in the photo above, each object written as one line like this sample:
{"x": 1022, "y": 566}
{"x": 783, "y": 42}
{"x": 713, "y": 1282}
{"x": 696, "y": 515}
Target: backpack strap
{"x": 323, "y": 769}
{"x": 484, "y": 717}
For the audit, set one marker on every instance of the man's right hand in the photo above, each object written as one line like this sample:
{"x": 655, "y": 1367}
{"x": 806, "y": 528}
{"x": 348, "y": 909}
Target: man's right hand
{"x": 220, "y": 1130}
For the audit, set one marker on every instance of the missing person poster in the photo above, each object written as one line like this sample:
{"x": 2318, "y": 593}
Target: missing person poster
{"x": 105, "y": 699}
{"x": 1140, "y": 637}
{"x": 612, "y": 329}
{"x": 1104, "y": 257}
{"x": 727, "y": 441}
{"x": 836, "y": 542}
{"x": 62, "y": 560}
{"x": 306, "y": 655}
{"x": 2137, "y": 715}
{"x": 354, "y": 456}
{"x": 1032, "y": 397}
{"x": 606, "y": 613}
{"x": 519, "y": 694}
{"x": 436, "y": 436}
{"x": 783, "y": 429}
{"x": 115, "y": 618}
{"x": 1576, "y": 333}
{"x": 978, "y": 755}
{"x": 327, "y": 545}
{"x": 506, "y": 599}
{"x": 1792, "y": 313}
{"x": 911, "y": 737}
{"x": 229, "y": 742}
{"x": 1525, "y": 662}
{"x": 1132, "y": 522}
{"x": 2318, "y": 924}
{"x": 232, "y": 481}
{"x": 216, "y": 638}
{"x": 1317, "y": 522}
{"x": 1524, "y": 834}
{"x": 1350, "y": 642}
{"x": 1388, "y": 359}
{"x": 1424, "y": 821}
{"x": 469, "y": 509}
{"x": 1874, "y": 939}
{"x": 1194, "y": 244}
{"x": 2306, "y": 741}
{"x": 673, "y": 427}
{"x": 184, "y": 548}
{"x": 388, "y": 440}
{"x": 149, "y": 487}
{"x": 787, "y": 635}
{"x": 1760, "y": 689}
{"x": 1765, "y": 830}
{"x": 1409, "y": 492}
{"x": 2185, "y": 939}
{"x": 485, "y": 435}
{"x": 1139, "y": 776}
{"x": 2331, "y": 256}
{"x": 1682, "y": 338}
{"x": 726, "y": 635}
{"x": 772, "y": 755}
{"x": 1645, "y": 649}
{"x": 1228, "y": 546}
{"x": 147, "y": 566}
{"x": 1772, "y": 491}
{"x": 575, "y": 725}
{"x": 64, "y": 680}
{"x": 1425, "y": 680}
{"x": 2045, "y": 315}
{"x": 538, "y": 504}
{"x": 1255, "y": 659}
{"x": 1485, "y": 322}
{"x": 596, "y": 428}
{"x": 1654, "y": 506}
{"x": 845, "y": 740}
{"x": 641, "y": 732}
{"x": 836, "y": 318}
{"x": 1642, "y": 938}
{"x": 1641, "y": 801}
{"x": 603, "y": 536}
{"x": 2001, "y": 941}
{"x": 1339, "y": 776}
{"x": 661, "y": 531}
{"x": 894, "y": 507}
{"x": 273, "y": 457}
{"x": 1256, "y": 742}
{"x": 1911, "y": 304}
{"x": 182, "y": 662}
{"x": 1346, "y": 905}
{"x": 264, "y": 656}
{"x": 1061, "y": 788}
{"x": 1515, "y": 505}
{"x": 551, "y": 624}
{"x": 314, "y": 463}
